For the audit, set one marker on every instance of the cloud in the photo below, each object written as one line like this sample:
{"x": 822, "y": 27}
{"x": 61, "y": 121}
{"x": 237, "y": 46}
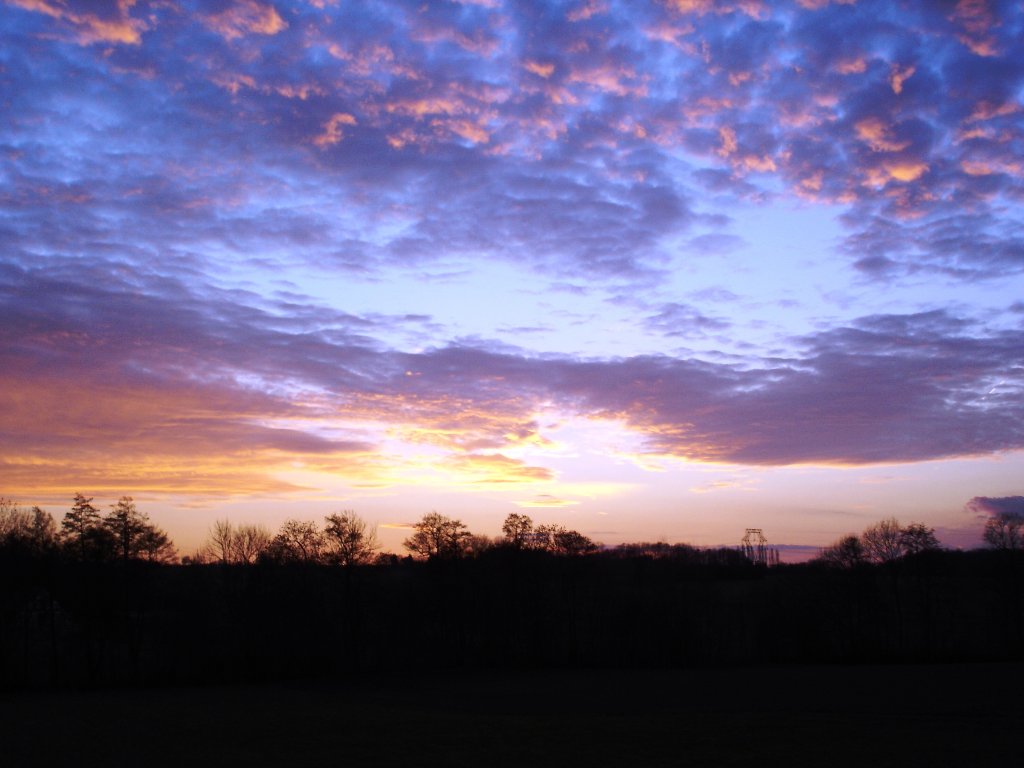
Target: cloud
{"x": 685, "y": 321}
{"x": 135, "y": 377}
{"x": 105, "y": 382}
{"x": 546, "y": 500}
{"x": 538, "y": 68}
{"x": 889, "y": 389}
{"x": 332, "y": 132}
{"x": 246, "y": 17}
{"x": 149, "y": 152}
{"x": 987, "y": 506}
{"x": 496, "y": 468}
{"x": 976, "y": 22}
{"x": 89, "y": 24}
{"x": 563, "y": 135}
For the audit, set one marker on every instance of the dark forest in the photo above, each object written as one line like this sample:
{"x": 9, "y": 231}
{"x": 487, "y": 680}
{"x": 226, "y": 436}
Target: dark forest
{"x": 544, "y": 598}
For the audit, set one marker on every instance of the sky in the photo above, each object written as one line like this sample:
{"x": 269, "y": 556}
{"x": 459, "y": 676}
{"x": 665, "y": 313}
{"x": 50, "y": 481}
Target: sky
{"x": 658, "y": 270}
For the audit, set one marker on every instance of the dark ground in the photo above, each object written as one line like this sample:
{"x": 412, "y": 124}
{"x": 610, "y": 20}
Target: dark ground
{"x": 877, "y": 716}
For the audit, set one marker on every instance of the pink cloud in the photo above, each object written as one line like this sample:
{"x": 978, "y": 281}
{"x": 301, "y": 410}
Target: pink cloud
{"x": 90, "y": 27}
{"x": 332, "y": 132}
{"x": 246, "y": 17}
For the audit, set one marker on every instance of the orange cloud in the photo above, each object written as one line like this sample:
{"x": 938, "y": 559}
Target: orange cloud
{"x": 899, "y": 75}
{"x": 246, "y": 17}
{"x": 746, "y": 162}
{"x": 728, "y": 137}
{"x": 560, "y": 96}
{"x": 498, "y": 468}
{"x": 89, "y": 27}
{"x": 905, "y": 172}
{"x": 233, "y": 83}
{"x": 420, "y": 108}
{"x": 338, "y": 52}
{"x": 479, "y": 42}
{"x": 986, "y": 110}
{"x": 587, "y": 10}
{"x": 539, "y": 69}
{"x": 300, "y": 92}
{"x": 983, "y": 168}
{"x": 753, "y": 8}
{"x": 873, "y": 132}
{"x": 372, "y": 59}
{"x": 813, "y": 182}
{"x": 212, "y": 476}
{"x": 757, "y": 163}
{"x": 852, "y": 66}
{"x": 799, "y": 119}
{"x": 332, "y": 133}
{"x": 972, "y": 168}
{"x": 705, "y": 106}
{"x": 976, "y": 20}
{"x": 463, "y": 115}
{"x": 669, "y": 33}
{"x": 977, "y": 132}
{"x": 814, "y": 5}
{"x": 452, "y": 423}
{"x": 908, "y": 171}
{"x": 692, "y": 6}
{"x": 545, "y": 500}
{"x": 403, "y": 138}
{"x": 466, "y": 129}
{"x": 609, "y": 79}
{"x": 110, "y": 437}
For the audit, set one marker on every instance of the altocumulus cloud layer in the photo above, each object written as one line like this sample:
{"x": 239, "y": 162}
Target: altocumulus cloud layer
{"x": 150, "y": 151}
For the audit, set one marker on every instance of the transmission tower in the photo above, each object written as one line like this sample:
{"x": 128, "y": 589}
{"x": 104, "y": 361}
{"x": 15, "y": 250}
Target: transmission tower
{"x": 755, "y": 548}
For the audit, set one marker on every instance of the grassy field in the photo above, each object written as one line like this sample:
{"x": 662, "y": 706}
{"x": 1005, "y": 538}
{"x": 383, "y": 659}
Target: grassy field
{"x": 949, "y": 715}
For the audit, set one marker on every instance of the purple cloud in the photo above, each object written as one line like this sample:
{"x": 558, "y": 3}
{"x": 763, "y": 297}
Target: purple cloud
{"x": 147, "y": 147}
{"x": 510, "y": 128}
{"x": 107, "y": 365}
{"x": 989, "y": 506}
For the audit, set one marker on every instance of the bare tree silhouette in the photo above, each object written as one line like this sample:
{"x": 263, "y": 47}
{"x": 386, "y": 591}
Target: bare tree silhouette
{"x": 248, "y": 543}
{"x": 518, "y": 530}
{"x": 222, "y": 536}
{"x": 349, "y": 541}
{"x": 916, "y": 538}
{"x": 882, "y": 541}
{"x": 562, "y": 541}
{"x": 29, "y": 529}
{"x": 297, "y": 541}
{"x": 1005, "y": 530}
{"x": 438, "y": 536}
{"x": 847, "y": 552}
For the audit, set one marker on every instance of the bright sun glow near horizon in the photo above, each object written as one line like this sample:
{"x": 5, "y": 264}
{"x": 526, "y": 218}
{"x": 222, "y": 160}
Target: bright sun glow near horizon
{"x": 651, "y": 270}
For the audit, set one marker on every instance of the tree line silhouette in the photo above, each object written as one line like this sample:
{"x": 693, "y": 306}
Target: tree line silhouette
{"x": 102, "y": 599}
{"x": 347, "y": 540}
{"x": 124, "y": 533}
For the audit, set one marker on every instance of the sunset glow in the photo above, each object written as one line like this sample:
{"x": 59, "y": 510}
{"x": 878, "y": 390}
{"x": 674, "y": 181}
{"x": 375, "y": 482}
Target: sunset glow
{"x": 653, "y": 270}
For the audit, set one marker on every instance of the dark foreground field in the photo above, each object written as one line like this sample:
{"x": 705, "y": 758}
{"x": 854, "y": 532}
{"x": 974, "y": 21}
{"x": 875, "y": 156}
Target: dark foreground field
{"x": 913, "y": 715}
